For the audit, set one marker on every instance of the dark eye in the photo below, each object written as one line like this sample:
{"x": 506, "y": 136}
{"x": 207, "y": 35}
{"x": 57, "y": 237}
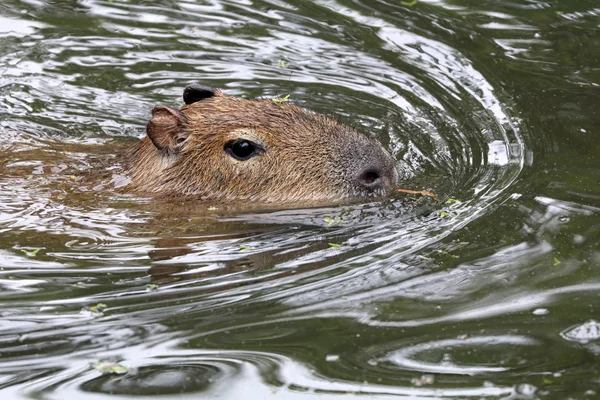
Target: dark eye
{"x": 242, "y": 149}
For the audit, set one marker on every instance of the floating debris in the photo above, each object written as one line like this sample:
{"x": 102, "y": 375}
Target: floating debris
{"x": 110, "y": 368}
{"x": 282, "y": 100}
{"x": 332, "y": 221}
{"x": 421, "y": 192}
{"x": 409, "y": 3}
{"x": 452, "y": 201}
{"x": 98, "y": 308}
{"x": 556, "y": 261}
{"x": 30, "y": 253}
{"x": 423, "y": 380}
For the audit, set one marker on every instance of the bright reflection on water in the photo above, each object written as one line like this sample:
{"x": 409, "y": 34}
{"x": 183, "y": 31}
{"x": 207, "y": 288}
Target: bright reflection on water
{"x": 490, "y": 292}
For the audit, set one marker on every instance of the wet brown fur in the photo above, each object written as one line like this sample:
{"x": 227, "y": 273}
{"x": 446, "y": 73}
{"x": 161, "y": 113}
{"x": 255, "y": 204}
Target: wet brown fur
{"x": 308, "y": 157}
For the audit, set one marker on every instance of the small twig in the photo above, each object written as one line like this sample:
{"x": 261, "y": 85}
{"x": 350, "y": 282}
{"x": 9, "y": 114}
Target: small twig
{"x": 421, "y": 192}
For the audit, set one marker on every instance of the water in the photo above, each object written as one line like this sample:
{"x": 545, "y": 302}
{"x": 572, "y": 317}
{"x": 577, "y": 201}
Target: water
{"x": 492, "y": 292}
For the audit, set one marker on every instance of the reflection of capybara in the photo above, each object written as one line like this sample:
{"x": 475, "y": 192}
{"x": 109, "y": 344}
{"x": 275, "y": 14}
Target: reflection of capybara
{"x": 224, "y": 148}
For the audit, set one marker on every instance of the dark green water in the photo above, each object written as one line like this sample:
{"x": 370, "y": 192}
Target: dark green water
{"x": 494, "y": 296}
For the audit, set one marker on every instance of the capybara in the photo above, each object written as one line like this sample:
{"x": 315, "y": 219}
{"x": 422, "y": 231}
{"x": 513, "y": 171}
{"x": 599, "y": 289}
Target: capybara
{"x": 223, "y": 148}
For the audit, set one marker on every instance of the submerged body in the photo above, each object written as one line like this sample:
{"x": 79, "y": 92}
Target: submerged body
{"x": 225, "y": 148}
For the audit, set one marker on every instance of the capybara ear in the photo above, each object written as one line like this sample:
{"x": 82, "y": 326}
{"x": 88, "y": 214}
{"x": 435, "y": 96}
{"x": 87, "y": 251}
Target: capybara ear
{"x": 167, "y": 129}
{"x": 195, "y": 92}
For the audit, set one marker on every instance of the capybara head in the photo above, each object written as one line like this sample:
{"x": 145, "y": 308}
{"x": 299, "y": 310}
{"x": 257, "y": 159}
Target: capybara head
{"x": 225, "y": 148}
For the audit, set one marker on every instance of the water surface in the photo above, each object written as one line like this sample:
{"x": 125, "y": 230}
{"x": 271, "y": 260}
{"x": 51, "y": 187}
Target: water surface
{"x": 491, "y": 292}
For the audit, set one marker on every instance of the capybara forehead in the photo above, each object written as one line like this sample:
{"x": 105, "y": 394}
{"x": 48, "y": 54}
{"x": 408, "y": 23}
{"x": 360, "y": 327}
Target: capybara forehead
{"x": 223, "y": 114}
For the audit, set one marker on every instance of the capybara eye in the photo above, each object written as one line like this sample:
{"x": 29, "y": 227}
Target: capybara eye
{"x": 242, "y": 150}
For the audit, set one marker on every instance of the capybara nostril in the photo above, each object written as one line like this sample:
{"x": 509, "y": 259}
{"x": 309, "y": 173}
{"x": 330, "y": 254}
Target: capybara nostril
{"x": 370, "y": 178}
{"x": 374, "y": 170}
{"x": 378, "y": 177}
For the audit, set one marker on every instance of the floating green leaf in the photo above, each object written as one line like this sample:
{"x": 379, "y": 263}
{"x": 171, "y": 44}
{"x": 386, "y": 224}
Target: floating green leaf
{"x": 334, "y": 245}
{"x": 282, "y": 100}
{"x": 332, "y": 221}
{"x": 282, "y": 64}
{"x": 556, "y": 261}
{"x": 110, "y": 368}
{"x": 452, "y": 201}
{"x": 152, "y": 286}
{"x": 409, "y": 3}
{"x": 443, "y": 214}
{"x": 245, "y": 248}
{"x": 98, "y": 308}
{"x": 30, "y": 253}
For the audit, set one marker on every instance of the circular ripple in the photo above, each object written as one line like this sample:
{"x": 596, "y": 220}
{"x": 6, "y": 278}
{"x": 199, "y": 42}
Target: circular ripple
{"x": 158, "y": 380}
{"x": 480, "y": 355}
{"x": 460, "y": 356}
